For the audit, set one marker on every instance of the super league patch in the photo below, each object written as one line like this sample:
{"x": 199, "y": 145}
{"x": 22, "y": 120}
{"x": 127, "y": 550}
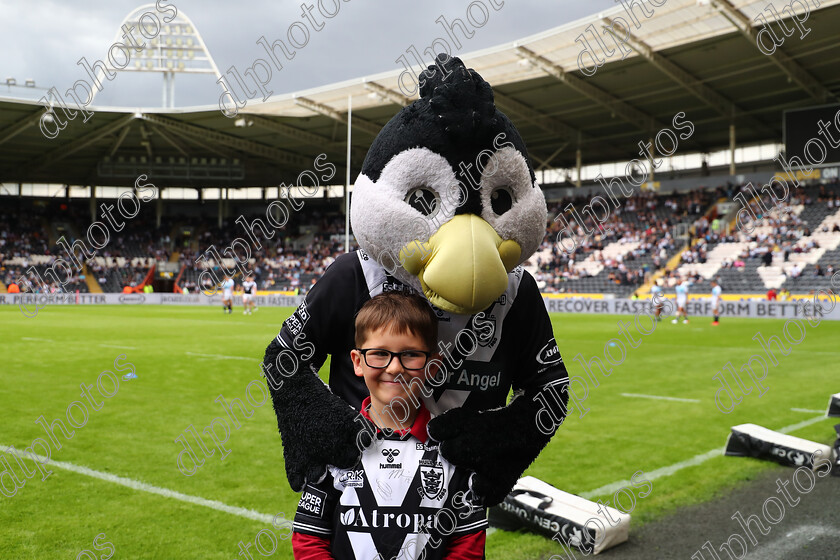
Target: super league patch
{"x": 312, "y": 502}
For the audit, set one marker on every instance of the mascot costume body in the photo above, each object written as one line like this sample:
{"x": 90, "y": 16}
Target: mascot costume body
{"x": 446, "y": 205}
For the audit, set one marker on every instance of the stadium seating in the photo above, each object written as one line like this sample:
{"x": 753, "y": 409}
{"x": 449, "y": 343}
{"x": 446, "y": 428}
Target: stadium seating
{"x": 781, "y": 252}
{"x": 638, "y": 239}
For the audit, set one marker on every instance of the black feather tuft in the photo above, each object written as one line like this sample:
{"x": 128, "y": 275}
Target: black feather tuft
{"x": 455, "y": 117}
{"x": 460, "y": 97}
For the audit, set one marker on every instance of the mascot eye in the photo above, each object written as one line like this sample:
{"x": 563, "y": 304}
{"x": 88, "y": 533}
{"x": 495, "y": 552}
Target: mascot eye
{"x": 501, "y": 200}
{"x": 423, "y": 199}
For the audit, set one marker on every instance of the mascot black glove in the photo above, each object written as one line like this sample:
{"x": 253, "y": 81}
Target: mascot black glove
{"x": 497, "y": 444}
{"x": 317, "y": 427}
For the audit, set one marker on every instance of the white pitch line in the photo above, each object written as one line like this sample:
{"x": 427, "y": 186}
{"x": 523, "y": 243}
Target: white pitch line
{"x": 658, "y": 397}
{"x": 798, "y": 425}
{"x": 696, "y": 460}
{"x": 37, "y": 339}
{"x": 221, "y": 356}
{"x": 808, "y": 410}
{"x": 143, "y": 487}
{"x": 119, "y": 347}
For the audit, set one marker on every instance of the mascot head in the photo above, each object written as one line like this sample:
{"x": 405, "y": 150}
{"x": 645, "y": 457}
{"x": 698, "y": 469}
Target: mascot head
{"x": 447, "y": 200}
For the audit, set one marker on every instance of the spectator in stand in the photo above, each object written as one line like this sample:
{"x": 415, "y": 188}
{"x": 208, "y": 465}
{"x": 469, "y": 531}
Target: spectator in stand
{"x": 13, "y": 288}
{"x": 771, "y": 295}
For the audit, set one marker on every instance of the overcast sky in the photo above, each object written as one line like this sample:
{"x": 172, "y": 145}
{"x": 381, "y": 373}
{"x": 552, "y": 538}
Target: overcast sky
{"x": 43, "y": 40}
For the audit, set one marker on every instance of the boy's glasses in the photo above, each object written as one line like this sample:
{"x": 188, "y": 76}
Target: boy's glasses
{"x": 379, "y": 358}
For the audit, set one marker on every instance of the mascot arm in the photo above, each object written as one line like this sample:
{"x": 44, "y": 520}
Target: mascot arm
{"x": 318, "y": 428}
{"x": 497, "y": 444}
{"x": 500, "y": 444}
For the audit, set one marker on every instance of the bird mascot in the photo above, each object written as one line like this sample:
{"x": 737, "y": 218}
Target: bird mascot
{"x": 446, "y": 205}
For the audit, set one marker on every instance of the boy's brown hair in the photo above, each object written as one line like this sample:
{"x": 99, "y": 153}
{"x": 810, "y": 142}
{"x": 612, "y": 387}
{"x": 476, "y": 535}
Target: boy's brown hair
{"x": 401, "y": 313}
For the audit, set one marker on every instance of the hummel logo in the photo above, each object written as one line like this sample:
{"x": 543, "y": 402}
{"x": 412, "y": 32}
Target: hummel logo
{"x": 390, "y": 454}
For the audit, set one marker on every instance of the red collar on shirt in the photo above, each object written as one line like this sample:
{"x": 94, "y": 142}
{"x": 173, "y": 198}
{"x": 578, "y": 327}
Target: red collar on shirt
{"x": 418, "y": 429}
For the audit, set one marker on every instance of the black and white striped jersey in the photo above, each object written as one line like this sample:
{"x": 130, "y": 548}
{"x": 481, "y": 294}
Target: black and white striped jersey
{"x": 509, "y": 344}
{"x": 250, "y": 287}
{"x": 402, "y": 501}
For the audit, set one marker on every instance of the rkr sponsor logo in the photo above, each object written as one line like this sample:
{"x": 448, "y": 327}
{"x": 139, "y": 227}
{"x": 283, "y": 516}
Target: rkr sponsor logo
{"x": 352, "y": 479}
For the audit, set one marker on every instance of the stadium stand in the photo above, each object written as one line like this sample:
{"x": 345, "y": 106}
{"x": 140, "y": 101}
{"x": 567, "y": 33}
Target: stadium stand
{"x": 796, "y": 250}
{"x": 791, "y": 250}
{"x": 636, "y": 240}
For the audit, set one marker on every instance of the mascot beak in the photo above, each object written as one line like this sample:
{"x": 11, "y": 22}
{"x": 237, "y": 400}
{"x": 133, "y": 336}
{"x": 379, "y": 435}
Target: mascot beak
{"x": 464, "y": 266}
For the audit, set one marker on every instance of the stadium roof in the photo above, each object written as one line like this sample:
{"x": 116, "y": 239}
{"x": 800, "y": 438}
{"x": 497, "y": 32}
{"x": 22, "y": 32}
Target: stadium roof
{"x": 694, "y": 56}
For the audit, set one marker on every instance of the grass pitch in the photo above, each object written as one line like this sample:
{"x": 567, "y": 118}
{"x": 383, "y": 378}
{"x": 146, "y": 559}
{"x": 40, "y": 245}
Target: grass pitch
{"x": 185, "y": 357}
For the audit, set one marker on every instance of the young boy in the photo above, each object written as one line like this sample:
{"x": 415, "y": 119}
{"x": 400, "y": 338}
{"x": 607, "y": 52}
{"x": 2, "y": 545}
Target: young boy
{"x": 403, "y": 501}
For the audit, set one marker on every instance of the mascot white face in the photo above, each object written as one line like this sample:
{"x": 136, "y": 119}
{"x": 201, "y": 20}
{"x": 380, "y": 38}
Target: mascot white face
{"x": 447, "y": 201}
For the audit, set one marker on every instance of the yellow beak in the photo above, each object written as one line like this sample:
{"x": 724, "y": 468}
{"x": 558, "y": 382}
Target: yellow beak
{"x": 464, "y": 266}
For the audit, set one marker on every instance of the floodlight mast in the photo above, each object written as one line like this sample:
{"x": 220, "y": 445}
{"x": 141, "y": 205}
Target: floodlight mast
{"x": 175, "y": 47}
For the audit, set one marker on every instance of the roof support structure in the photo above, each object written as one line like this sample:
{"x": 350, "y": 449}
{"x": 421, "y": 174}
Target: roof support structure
{"x": 790, "y": 67}
{"x": 118, "y": 142}
{"x": 686, "y": 80}
{"x": 359, "y": 123}
{"x": 220, "y": 151}
{"x": 386, "y": 93}
{"x": 146, "y": 142}
{"x": 544, "y": 163}
{"x": 77, "y": 144}
{"x": 274, "y": 155}
{"x": 159, "y": 131}
{"x": 691, "y": 84}
{"x": 302, "y": 136}
{"x": 541, "y": 121}
{"x": 641, "y": 120}
{"x": 21, "y": 125}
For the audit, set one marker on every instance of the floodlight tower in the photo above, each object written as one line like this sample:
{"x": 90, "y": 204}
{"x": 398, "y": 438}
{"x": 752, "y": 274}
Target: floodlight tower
{"x": 170, "y": 47}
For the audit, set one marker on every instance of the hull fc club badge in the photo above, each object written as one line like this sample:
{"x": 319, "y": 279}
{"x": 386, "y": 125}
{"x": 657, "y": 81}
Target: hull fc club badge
{"x": 432, "y": 479}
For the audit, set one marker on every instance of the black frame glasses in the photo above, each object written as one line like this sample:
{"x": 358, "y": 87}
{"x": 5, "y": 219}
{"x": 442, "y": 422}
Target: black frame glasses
{"x": 364, "y": 352}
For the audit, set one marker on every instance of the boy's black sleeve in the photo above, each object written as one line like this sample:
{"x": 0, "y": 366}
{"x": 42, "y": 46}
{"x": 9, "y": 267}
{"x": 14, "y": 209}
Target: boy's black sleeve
{"x": 314, "y": 515}
{"x": 471, "y": 517}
